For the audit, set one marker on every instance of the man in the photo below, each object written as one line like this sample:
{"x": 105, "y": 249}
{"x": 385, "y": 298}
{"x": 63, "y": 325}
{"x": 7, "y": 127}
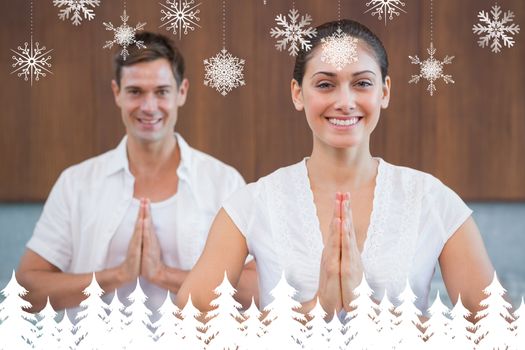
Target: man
{"x": 141, "y": 210}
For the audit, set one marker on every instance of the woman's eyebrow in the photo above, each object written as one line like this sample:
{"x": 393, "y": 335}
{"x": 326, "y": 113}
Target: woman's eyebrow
{"x": 332, "y": 74}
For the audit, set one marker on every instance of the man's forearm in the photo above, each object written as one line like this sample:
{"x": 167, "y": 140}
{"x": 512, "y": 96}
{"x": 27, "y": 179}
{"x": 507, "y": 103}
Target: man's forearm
{"x": 169, "y": 278}
{"x": 64, "y": 290}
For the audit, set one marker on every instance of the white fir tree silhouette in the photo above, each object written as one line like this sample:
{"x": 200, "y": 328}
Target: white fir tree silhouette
{"x": 67, "y": 338}
{"x": 493, "y": 327}
{"x": 361, "y": 327}
{"x": 283, "y": 327}
{"x": 48, "y": 330}
{"x": 168, "y": 330}
{"x": 408, "y": 334}
{"x": 115, "y": 324}
{"x": 192, "y": 328}
{"x": 437, "y": 327}
{"x": 317, "y": 335}
{"x": 224, "y": 322}
{"x": 337, "y": 340}
{"x": 519, "y": 327}
{"x": 91, "y": 325}
{"x": 461, "y": 329}
{"x": 386, "y": 321}
{"x": 253, "y": 329}
{"x": 17, "y": 329}
{"x": 138, "y": 324}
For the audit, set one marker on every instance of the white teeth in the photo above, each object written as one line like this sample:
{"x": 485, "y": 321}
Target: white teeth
{"x": 150, "y": 122}
{"x": 344, "y": 122}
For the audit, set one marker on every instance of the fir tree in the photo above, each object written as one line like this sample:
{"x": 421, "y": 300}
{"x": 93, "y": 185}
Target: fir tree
{"x": 283, "y": 327}
{"x": 17, "y": 329}
{"x": 67, "y": 338}
{"x": 253, "y": 329}
{"x": 317, "y": 336}
{"x": 336, "y": 338}
{"x": 138, "y": 325}
{"x": 115, "y": 324}
{"x": 407, "y": 327}
{"x": 362, "y": 326}
{"x": 192, "y": 328}
{"x": 48, "y": 330}
{"x": 168, "y": 330}
{"x": 223, "y": 327}
{"x": 461, "y": 328}
{"x": 91, "y": 326}
{"x": 386, "y": 321}
{"x": 519, "y": 327}
{"x": 493, "y": 328}
{"x": 437, "y": 327}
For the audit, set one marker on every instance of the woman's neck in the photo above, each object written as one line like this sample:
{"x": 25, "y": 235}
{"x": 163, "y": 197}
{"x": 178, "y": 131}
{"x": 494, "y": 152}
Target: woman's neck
{"x": 344, "y": 169}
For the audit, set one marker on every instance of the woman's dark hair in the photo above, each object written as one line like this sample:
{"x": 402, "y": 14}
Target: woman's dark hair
{"x": 157, "y": 46}
{"x": 352, "y": 28}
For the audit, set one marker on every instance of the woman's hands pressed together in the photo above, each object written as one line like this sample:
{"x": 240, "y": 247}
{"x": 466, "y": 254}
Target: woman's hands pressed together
{"x": 341, "y": 266}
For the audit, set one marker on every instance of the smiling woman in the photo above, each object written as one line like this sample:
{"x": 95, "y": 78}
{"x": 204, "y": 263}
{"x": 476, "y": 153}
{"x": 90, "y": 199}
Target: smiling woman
{"x": 342, "y": 212}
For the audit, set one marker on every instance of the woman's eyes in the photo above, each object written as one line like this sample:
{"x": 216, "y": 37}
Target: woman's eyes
{"x": 325, "y": 85}
{"x": 364, "y": 83}
{"x": 359, "y": 84}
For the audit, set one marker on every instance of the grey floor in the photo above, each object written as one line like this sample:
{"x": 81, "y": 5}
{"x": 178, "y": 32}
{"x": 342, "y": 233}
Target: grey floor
{"x": 502, "y": 226}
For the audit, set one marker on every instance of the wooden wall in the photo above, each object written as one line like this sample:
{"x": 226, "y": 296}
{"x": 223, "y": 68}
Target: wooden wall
{"x": 470, "y": 134}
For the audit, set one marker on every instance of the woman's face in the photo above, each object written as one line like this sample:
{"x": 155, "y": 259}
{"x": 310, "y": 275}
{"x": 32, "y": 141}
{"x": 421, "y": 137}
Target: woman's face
{"x": 342, "y": 107}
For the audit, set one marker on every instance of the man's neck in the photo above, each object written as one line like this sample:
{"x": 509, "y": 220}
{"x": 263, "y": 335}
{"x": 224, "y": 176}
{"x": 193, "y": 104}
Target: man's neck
{"x": 150, "y": 158}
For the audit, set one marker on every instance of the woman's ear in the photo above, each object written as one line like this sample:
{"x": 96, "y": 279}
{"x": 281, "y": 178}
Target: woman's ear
{"x": 297, "y": 96}
{"x": 385, "y": 99}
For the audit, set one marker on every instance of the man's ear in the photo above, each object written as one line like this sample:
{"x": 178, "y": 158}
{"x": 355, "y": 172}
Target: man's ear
{"x": 116, "y": 91}
{"x": 297, "y": 96}
{"x": 385, "y": 99}
{"x": 182, "y": 92}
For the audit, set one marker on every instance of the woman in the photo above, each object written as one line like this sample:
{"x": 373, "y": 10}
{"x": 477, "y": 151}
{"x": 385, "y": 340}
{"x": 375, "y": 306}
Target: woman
{"x": 341, "y": 211}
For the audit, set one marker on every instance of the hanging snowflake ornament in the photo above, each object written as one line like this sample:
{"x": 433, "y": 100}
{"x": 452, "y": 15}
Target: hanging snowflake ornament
{"x": 431, "y": 69}
{"x": 124, "y": 35}
{"x": 224, "y": 72}
{"x": 76, "y": 10}
{"x": 339, "y": 49}
{"x": 495, "y": 29}
{"x": 386, "y": 9}
{"x": 31, "y": 61}
{"x": 295, "y": 33}
{"x": 180, "y": 16}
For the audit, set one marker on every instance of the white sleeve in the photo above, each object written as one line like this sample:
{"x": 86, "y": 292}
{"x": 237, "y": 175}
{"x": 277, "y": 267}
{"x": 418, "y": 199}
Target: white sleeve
{"x": 52, "y": 237}
{"x": 240, "y": 207}
{"x": 449, "y": 209}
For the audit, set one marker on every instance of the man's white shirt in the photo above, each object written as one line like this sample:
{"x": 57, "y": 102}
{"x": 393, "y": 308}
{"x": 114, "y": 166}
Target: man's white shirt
{"x": 89, "y": 216}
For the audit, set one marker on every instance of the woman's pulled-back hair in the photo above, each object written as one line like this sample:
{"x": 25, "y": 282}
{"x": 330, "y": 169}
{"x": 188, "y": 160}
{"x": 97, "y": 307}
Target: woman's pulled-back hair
{"x": 352, "y": 28}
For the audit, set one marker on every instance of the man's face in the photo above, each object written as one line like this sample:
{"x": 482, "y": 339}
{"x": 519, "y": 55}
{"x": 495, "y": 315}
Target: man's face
{"x": 149, "y": 99}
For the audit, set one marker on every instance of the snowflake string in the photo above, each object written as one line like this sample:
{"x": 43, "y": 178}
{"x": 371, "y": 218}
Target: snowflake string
{"x": 124, "y": 35}
{"x": 180, "y": 15}
{"x": 295, "y": 33}
{"x": 339, "y": 49}
{"x": 495, "y": 29}
{"x": 31, "y": 61}
{"x": 385, "y": 8}
{"x": 224, "y": 72}
{"x": 431, "y": 69}
{"x": 76, "y": 9}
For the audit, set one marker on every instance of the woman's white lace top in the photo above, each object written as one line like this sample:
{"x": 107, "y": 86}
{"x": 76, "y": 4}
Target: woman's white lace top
{"x": 413, "y": 216}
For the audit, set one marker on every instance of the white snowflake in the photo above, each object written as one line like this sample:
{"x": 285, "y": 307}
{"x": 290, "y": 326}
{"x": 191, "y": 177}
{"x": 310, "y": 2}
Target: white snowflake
{"x": 224, "y": 72}
{"x": 31, "y": 61}
{"x": 124, "y": 35}
{"x": 431, "y": 69}
{"x": 294, "y": 33}
{"x": 180, "y": 15}
{"x": 385, "y": 8}
{"x": 339, "y": 49}
{"x": 77, "y": 8}
{"x": 496, "y": 28}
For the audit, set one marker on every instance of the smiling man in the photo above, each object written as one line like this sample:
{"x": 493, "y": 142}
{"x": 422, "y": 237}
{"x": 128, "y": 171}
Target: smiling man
{"x": 142, "y": 210}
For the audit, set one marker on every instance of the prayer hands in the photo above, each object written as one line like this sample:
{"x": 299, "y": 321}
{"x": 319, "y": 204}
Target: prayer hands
{"x": 341, "y": 265}
{"x": 144, "y": 254}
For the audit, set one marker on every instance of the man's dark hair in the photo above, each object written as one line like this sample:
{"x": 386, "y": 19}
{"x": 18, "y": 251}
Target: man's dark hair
{"x": 157, "y": 46}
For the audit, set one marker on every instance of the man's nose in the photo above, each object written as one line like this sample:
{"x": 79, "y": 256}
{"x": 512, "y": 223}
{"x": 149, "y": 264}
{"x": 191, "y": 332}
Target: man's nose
{"x": 149, "y": 103}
